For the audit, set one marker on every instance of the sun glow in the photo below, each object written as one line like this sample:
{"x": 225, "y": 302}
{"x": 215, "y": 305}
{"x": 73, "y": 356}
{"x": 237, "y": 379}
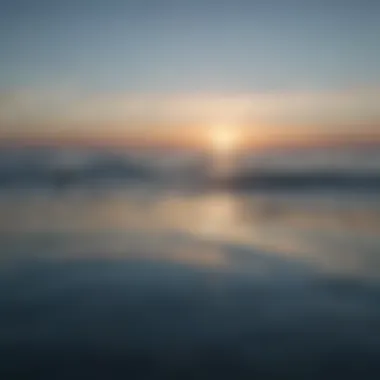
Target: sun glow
{"x": 224, "y": 142}
{"x": 224, "y": 139}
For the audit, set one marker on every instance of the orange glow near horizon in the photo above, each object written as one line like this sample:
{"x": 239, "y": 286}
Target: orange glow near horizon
{"x": 221, "y": 140}
{"x": 224, "y": 139}
{"x": 224, "y": 144}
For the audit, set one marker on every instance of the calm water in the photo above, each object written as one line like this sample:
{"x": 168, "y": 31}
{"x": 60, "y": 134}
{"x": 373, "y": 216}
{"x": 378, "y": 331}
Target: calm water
{"x": 141, "y": 284}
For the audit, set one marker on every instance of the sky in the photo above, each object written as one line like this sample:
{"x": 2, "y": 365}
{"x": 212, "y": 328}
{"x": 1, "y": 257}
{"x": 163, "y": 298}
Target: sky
{"x": 112, "y": 68}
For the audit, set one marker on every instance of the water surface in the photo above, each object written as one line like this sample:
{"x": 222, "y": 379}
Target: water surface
{"x": 166, "y": 284}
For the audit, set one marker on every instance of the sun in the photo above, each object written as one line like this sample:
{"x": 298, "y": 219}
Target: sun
{"x": 224, "y": 144}
{"x": 224, "y": 139}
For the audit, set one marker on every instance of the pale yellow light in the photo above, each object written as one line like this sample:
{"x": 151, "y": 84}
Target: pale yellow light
{"x": 224, "y": 139}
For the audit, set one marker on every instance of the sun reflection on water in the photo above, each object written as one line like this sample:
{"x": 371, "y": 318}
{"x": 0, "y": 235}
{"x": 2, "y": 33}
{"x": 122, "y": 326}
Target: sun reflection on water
{"x": 218, "y": 215}
{"x": 198, "y": 228}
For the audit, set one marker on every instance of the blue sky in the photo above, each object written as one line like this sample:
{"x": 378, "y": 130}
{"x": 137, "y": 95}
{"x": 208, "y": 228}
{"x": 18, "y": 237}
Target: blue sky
{"x": 139, "y": 47}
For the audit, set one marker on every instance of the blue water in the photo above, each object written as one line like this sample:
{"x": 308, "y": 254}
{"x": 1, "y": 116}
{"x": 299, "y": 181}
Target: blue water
{"x": 141, "y": 283}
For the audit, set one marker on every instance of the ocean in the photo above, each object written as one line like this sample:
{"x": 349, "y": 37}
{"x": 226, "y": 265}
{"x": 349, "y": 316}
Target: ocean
{"x": 138, "y": 279}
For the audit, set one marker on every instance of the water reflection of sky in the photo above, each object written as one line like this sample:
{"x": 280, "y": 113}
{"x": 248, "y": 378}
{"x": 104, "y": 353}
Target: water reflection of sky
{"x": 216, "y": 285}
{"x": 326, "y": 231}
